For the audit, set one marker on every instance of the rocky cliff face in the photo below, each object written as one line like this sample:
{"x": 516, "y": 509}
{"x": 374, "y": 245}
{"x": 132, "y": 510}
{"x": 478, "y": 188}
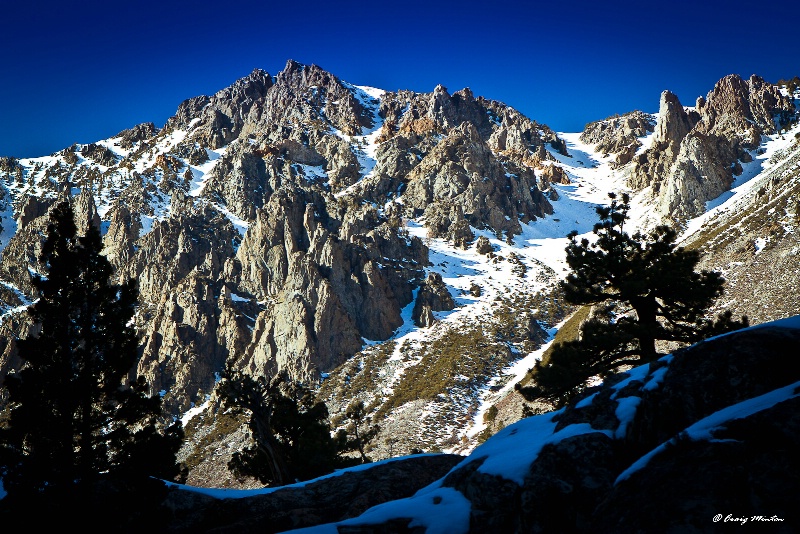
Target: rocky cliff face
{"x": 460, "y": 183}
{"x": 460, "y": 161}
{"x": 696, "y": 153}
{"x": 756, "y": 243}
{"x": 619, "y": 135}
{"x": 264, "y": 223}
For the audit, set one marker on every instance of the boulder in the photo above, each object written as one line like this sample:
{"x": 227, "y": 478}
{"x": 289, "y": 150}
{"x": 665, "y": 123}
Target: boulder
{"x": 333, "y": 498}
{"x": 432, "y": 296}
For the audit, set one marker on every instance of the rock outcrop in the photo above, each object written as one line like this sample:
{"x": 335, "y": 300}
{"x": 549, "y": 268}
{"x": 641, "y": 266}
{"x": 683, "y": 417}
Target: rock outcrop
{"x": 333, "y": 498}
{"x": 433, "y": 296}
{"x": 619, "y": 135}
{"x": 452, "y": 157}
{"x": 137, "y": 134}
{"x": 219, "y": 119}
{"x": 696, "y": 153}
{"x": 462, "y": 180}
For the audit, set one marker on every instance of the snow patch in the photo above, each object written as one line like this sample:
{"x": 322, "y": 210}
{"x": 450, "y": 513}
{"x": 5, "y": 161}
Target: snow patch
{"x": 438, "y": 511}
{"x": 635, "y": 374}
{"x": 195, "y": 410}
{"x": 510, "y": 452}
{"x": 625, "y": 412}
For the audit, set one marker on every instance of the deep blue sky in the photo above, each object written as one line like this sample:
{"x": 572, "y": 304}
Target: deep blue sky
{"x": 82, "y": 71}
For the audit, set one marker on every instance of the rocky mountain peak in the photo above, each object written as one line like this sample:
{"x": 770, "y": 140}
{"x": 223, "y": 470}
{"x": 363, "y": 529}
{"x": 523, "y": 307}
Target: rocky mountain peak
{"x": 449, "y": 111}
{"x": 735, "y": 106}
{"x": 619, "y": 135}
{"x": 696, "y": 153}
{"x": 138, "y": 133}
{"x": 311, "y": 93}
{"x": 248, "y": 89}
{"x": 465, "y": 93}
{"x": 219, "y": 119}
{"x": 462, "y": 183}
{"x": 673, "y": 123}
{"x": 291, "y": 68}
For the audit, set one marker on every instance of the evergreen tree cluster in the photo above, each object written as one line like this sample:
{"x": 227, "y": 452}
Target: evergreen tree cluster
{"x": 83, "y": 437}
{"x": 291, "y": 437}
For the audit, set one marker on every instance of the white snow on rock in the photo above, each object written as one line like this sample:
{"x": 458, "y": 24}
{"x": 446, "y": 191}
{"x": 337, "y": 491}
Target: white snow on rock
{"x": 704, "y": 429}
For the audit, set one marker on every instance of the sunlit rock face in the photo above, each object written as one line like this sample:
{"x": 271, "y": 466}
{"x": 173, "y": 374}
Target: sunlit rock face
{"x": 264, "y": 224}
{"x": 619, "y": 135}
{"x": 697, "y": 152}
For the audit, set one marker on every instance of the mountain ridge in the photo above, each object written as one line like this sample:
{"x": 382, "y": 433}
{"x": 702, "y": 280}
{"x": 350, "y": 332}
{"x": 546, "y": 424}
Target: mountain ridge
{"x": 297, "y": 222}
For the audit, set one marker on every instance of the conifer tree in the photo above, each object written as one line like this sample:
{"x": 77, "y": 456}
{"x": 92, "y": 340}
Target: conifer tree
{"x": 291, "y": 436}
{"x": 645, "y": 290}
{"x": 82, "y": 436}
{"x": 359, "y": 431}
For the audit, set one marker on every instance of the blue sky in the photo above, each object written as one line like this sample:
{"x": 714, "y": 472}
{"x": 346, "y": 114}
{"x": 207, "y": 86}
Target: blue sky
{"x": 83, "y": 71}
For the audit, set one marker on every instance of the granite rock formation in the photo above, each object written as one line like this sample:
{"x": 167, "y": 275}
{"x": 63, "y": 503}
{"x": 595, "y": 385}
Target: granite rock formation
{"x": 619, "y": 135}
{"x": 696, "y": 153}
{"x": 264, "y": 224}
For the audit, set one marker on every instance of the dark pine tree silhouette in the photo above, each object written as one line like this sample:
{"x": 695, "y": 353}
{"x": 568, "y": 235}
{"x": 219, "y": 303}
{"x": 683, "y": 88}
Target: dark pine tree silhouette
{"x": 82, "y": 436}
{"x": 359, "y": 432}
{"x": 645, "y": 290}
{"x": 291, "y": 436}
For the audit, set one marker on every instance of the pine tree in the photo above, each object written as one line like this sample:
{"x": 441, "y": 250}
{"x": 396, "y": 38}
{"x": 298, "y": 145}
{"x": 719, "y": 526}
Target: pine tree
{"x": 291, "y": 436}
{"x": 359, "y": 432}
{"x": 82, "y": 435}
{"x": 645, "y": 290}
